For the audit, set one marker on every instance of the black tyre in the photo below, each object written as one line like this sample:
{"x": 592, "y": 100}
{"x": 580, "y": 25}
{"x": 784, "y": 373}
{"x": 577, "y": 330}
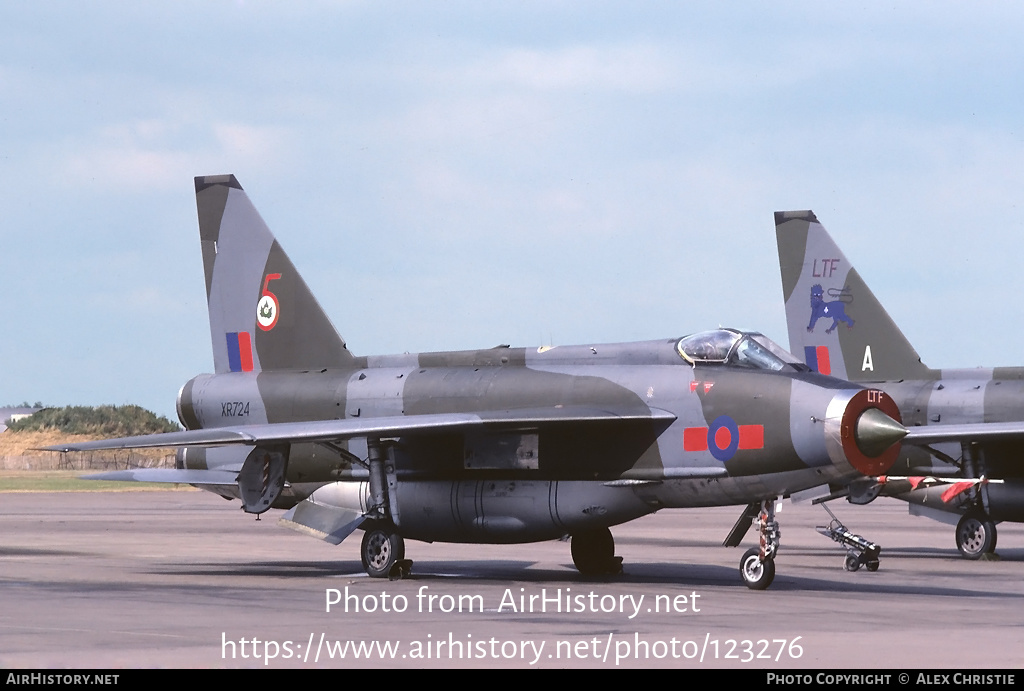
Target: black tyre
{"x": 593, "y": 552}
{"x": 975, "y": 535}
{"x": 382, "y": 546}
{"x": 756, "y": 574}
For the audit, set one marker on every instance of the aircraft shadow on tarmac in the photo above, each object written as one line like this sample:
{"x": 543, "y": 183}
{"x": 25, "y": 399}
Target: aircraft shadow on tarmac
{"x": 950, "y": 555}
{"x": 465, "y": 570}
{"x": 868, "y": 585}
{"x": 275, "y": 569}
{"x": 33, "y": 552}
{"x": 676, "y": 574}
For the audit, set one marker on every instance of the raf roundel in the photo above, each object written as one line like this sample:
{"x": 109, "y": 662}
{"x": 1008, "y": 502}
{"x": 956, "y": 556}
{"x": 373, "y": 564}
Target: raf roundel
{"x": 723, "y": 438}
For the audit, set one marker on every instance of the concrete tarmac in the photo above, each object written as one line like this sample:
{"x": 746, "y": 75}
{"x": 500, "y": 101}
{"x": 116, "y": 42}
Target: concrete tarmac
{"x": 185, "y": 579}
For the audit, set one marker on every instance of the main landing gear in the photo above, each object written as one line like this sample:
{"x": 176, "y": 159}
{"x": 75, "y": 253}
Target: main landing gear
{"x": 976, "y": 531}
{"x": 975, "y": 535}
{"x": 383, "y": 548}
{"x": 593, "y": 553}
{"x": 757, "y": 567}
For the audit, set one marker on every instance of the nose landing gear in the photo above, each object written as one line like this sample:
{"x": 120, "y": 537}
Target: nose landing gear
{"x": 757, "y": 567}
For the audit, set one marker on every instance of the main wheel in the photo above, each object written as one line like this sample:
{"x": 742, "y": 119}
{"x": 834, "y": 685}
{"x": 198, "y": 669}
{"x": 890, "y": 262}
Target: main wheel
{"x": 852, "y": 562}
{"x": 757, "y": 574}
{"x": 593, "y": 552}
{"x": 975, "y": 535}
{"x": 382, "y": 546}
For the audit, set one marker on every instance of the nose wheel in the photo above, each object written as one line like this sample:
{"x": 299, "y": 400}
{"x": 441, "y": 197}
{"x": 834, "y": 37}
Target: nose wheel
{"x": 757, "y": 573}
{"x": 757, "y": 567}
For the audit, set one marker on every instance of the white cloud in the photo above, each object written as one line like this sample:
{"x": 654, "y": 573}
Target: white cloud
{"x": 639, "y": 68}
{"x": 157, "y": 155}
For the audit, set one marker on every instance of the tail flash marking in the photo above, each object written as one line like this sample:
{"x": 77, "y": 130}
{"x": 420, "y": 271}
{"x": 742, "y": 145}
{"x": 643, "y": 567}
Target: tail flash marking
{"x": 240, "y": 352}
{"x": 817, "y": 358}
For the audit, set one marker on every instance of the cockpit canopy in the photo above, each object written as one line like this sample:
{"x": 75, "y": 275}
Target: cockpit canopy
{"x": 738, "y": 348}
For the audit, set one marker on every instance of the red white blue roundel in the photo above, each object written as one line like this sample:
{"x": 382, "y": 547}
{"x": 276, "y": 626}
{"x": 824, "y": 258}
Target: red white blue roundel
{"x": 266, "y": 312}
{"x": 723, "y": 438}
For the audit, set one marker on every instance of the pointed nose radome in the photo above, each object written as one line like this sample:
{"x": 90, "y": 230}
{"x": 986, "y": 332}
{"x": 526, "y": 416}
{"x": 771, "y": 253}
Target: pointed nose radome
{"x": 876, "y": 432}
{"x": 863, "y": 429}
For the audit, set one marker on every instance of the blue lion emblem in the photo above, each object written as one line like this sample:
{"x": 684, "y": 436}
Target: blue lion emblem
{"x": 836, "y": 310}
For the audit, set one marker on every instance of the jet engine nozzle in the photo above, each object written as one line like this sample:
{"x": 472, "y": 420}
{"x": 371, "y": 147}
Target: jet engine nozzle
{"x": 864, "y": 429}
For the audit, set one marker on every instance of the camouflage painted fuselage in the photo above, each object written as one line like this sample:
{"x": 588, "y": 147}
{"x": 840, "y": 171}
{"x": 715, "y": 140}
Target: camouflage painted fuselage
{"x": 731, "y": 435}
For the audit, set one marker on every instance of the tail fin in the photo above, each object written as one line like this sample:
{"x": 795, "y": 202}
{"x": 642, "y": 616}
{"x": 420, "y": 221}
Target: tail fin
{"x": 262, "y": 315}
{"x": 835, "y": 322}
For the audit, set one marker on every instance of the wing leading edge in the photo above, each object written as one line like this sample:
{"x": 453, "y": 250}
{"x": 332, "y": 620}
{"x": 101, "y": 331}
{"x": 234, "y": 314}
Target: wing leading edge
{"x": 330, "y": 430}
{"x": 966, "y": 432}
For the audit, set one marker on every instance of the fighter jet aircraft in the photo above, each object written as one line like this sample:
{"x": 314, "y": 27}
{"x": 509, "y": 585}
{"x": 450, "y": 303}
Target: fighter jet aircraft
{"x": 499, "y": 445}
{"x": 838, "y": 327}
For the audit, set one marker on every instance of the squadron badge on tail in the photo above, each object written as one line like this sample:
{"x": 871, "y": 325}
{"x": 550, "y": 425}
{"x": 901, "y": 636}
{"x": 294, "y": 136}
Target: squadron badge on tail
{"x": 835, "y": 310}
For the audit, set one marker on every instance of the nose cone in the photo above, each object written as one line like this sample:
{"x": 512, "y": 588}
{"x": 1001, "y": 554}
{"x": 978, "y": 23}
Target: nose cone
{"x": 863, "y": 429}
{"x": 876, "y": 432}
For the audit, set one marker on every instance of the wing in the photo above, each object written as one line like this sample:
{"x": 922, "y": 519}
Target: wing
{"x": 967, "y": 432}
{"x": 178, "y": 476}
{"x": 403, "y": 425}
{"x": 325, "y": 521}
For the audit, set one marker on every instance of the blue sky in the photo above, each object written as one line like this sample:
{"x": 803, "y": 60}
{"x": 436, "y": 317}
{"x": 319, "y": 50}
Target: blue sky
{"x": 461, "y": 174}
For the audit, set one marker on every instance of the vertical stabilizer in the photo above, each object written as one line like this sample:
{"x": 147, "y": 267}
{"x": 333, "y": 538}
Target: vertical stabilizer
{"x": 836, "y": 325}
{"x": 262, "y": 315}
